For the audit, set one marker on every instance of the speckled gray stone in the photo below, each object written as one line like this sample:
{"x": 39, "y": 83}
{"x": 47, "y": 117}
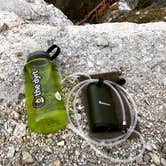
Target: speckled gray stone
{"x": 156, "y": 159}
{"x": 37, "y": 11}
{"x": 26, "y": 158}
{"x": 163, "y": 161}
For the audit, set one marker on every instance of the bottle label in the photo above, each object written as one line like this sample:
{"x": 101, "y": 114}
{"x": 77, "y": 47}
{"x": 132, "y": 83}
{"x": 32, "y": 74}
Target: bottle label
{"x": 38, "y": 100}
{"x": 58, "y": 96}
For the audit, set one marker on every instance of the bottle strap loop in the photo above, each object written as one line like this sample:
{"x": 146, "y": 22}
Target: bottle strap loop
{"x": 50, "y": 49}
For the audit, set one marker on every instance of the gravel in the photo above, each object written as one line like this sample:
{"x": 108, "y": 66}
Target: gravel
{"x": 57, "y": 163}
{"x": 147, "y": 158}
{"x": 163, "y": 161}
{"x": 20, "y": 130}
{"x": 26, "y": 158}
{"x": 149, "y": 146}
{"x": 155, "y": 158}
{"x": 163, "y": 149}
{"x": 138, "y": 51}
{"x": 61, "y": 143}
{"x": 11, "y": 151}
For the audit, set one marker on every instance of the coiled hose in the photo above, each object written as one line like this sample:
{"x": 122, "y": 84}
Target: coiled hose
{"x": 119, "y": 90}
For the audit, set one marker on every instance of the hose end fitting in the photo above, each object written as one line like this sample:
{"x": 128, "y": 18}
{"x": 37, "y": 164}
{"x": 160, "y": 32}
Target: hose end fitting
{"x": 124, "y": 128}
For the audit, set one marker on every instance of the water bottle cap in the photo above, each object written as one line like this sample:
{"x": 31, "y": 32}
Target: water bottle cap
{"x": 43, "y": 54}
{"x": 38, "y": 54}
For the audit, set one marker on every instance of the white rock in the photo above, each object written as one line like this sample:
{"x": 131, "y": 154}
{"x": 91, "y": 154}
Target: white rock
{"x": 163, "y": 162}
{"x": 26, "y": 158}
{"x": 61, "y": 143}
{"x": 137, "y": 13}
{"x": 11, "y": 151}
{"x": 149, "y": 146}
{"x": 162, "y": 112}
{"x": 39, "y": 10}
{"x": 102, "y": 42}
{"x": 152, "y": 165}
{"x": 57, "y": 162}
{"x": 19, "y": 7}
{"x": 155, "y": 158}
{"x": 163, "y": 149}
{"x": 154, "y": 146}
{"x": 79, "y": 116}
{"x": 15, "y": 115}
{"x": 10, "y": 19}
{"x": 147, "y": 158}
{"x": 47, "y": 149}
{"x": 20, "y": 130}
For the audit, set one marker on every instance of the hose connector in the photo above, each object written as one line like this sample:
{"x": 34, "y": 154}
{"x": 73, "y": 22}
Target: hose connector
{"x": 124, "y": 127}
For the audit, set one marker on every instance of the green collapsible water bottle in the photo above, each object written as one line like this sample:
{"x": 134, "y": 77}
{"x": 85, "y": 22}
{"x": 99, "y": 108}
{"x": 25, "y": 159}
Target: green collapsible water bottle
{"x": 45, "y": 106}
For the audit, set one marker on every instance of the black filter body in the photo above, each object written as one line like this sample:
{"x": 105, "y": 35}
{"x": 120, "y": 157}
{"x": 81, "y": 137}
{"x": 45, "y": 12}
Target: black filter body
{"x": 101, "y": 112}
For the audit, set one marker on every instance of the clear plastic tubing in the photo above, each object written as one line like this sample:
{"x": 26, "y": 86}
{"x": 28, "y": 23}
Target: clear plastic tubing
{"x": 75, "y": 91}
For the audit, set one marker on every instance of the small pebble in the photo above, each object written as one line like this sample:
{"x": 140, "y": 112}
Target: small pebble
{"x": 11, "y": 151}
{"x": 26, "y": 158}
{"x": 30, "y": 1}
{"x": 61, "y": 143}
{"x": 149, "y": 146}
{"x": 19, "y": 54}
{"x": 146, "y": 12}
{"x": 48, "y": 149}
{"x": 137, "y": 13}
{"x": 163, "y": 162}
{"x": 152, "y": 165}
{"x": 49, "y": 135}
{"x": 57, "y": 163}
{"x": 15, "y": 115}
{"x": 20, "y": 130}
{"x": 155, "y": 158}
{"x": 79, "y": 116}
{"x": 21, "y": 96}
{"x": 154, "y": 146}
{"x": 1, "y": 100}
{"x": 163, "y": 148}
{"x": 147, "y": 158}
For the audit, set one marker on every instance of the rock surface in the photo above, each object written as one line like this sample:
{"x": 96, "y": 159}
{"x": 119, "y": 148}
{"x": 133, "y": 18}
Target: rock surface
{"x": 36, "y": 10}
{"x": 136, "y": 50}
{"x": 144, "y": 15}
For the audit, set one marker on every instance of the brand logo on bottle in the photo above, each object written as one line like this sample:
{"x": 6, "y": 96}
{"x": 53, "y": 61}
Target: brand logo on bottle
{"x": 104, "y": 103}
{"x": 38, "y": 98}
{"x": 58, "y": 96}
